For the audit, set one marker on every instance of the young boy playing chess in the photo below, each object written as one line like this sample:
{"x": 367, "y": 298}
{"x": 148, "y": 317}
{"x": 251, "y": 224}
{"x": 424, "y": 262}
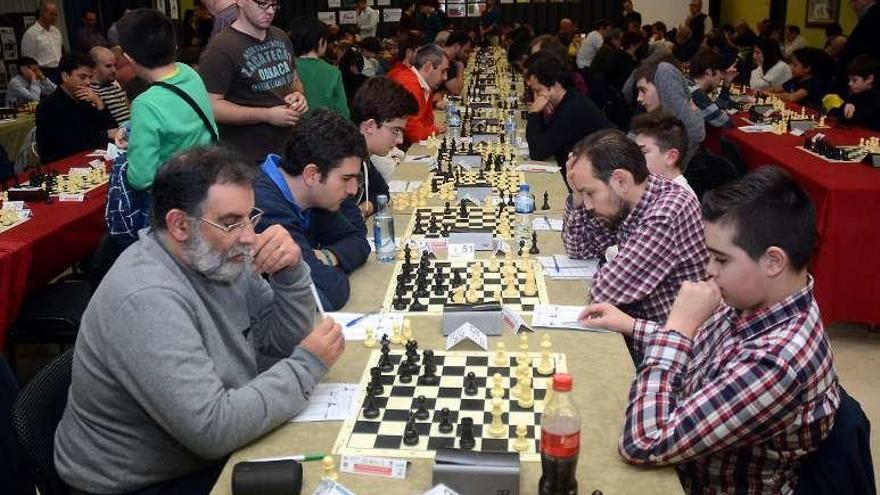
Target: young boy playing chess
{"x": 734, "y": 393}
{"x": 862, "y": 107}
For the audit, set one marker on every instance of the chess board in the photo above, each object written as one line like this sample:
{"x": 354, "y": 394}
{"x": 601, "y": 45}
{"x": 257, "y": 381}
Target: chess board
{"x": 77, "y": 184}
{"x": 11, "y": 219}
{"x": 383, "y": 436}
{"x": 441, "y": 272}
{"x": 504, "y": 182}
{"x": 477, "y": 219}
{"x": 856, "y": 154}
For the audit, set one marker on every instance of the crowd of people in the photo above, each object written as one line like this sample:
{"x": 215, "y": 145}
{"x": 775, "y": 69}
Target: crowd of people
{"x": 264, "y": 159}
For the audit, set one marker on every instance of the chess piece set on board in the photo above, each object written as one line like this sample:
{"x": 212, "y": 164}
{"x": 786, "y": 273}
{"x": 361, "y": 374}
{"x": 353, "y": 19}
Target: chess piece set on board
{"x": 438, "y": 222}
{"x": 11, "y": 217}
{"x": 431, "y": 285}
{"x": 414, "y": 402}
{"x": 822, "y": 146}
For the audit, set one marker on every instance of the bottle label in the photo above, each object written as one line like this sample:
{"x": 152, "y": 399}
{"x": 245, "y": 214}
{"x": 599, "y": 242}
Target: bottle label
{"x": 560, "y": 445}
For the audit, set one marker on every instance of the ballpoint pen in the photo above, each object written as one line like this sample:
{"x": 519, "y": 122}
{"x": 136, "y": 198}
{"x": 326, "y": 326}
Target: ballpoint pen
{"x": 361, "y": 317}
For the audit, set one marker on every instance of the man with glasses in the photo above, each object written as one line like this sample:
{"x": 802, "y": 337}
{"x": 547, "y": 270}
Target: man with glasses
{"x": 250, "y": 74}
{"x": 308, "y": 191}
{"x": 380, "y": 109}
{"x": 202, "y": 338}
{"x": 427, "y": 73}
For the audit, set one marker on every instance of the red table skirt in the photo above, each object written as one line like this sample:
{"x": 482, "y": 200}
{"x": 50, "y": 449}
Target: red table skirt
{"x": 846, "y": 264}
{"x": 57, "y": 236}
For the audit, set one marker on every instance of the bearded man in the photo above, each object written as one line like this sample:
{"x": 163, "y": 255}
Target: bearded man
{"x": 186, "y": 352}
{"x": 655, "y": 224}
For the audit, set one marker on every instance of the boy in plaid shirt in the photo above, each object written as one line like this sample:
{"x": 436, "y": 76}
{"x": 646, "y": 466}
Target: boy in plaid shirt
{"x": 735, "y": 393}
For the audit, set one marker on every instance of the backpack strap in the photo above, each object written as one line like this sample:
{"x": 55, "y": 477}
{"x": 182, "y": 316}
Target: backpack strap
{"x": 185, "y": 97}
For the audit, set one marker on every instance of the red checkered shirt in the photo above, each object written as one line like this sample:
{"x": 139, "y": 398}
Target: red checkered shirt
{"x": 736, "y": 407}
{"x": 662, "y": 244}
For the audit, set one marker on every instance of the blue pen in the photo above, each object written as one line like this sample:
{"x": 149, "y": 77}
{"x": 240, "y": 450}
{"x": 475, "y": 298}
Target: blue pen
{"x": 555, "y": 263}
{"x": 361, "y": 317}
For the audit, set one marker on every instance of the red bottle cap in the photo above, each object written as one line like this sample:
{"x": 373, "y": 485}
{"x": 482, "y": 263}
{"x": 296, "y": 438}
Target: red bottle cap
{"x": 562, "y": 382}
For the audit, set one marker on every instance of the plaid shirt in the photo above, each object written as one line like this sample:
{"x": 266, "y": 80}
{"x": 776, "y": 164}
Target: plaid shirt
{"x": 662, "y": 244}
{"x": 736, "y": 407}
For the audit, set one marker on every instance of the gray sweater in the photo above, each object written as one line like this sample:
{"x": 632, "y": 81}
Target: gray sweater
{"x": 166, "y": 374}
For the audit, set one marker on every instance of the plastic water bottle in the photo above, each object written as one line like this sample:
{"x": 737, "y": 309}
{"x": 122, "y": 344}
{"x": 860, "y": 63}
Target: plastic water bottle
{"x": 510, "y": 129}
{"x": 560, "y": 440}
{"x": 524, "y": 203}
{"x": 383, "y": 231}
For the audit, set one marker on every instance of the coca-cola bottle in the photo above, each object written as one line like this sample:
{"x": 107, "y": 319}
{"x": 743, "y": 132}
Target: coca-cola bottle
{"x": 560, "y": 440}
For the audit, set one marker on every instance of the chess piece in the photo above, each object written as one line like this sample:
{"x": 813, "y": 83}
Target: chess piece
{"x": 410, "y": 434}
{"x": 546, "y": 205}
{"x": 407, "y": 330}
{"x": 524, "y": 342}
{"x": 466, "y": 433}
{"x": 328, "y": 468}
{"x": 526, "y": 398}
{"x": 458, "y": 295}
{"x": 421, "y": 411}
{"x": 500, "y": 355}
{"x": 445, "y": 421}
{"x": 510, "y": 287}
{"x": 385, "y": 364}
{"x": 534, "y": 249}
{"x": 371, "y": 411}
{"x": 497, "y": 428}
{"x": 530, "y": 289}
{"x": 396, "y": 330}
{"x": 545, "y": 367}
{"x": 370, "y": 341}
{"x": 472, "y": 296}
{"x": 376, "y": 387}
{"x": 521, "y": 444}
{"x": 470, "y": 384}
{"x": 497, "y": 386}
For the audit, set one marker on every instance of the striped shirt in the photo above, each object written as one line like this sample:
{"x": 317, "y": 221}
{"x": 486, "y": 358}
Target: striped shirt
{"x": 712, "y": 111}
{"x": 662, "y": 244}
{"x": 736, "y": 407}
{"x": 115, "y": 99}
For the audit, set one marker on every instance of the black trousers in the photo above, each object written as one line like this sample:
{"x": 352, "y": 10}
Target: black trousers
{"x": 198, "y": 483}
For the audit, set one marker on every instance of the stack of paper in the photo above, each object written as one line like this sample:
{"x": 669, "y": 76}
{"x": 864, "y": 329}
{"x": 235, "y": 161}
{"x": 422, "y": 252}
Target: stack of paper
{"x": 555, "y": 316}
{"x": 565, "y": 268}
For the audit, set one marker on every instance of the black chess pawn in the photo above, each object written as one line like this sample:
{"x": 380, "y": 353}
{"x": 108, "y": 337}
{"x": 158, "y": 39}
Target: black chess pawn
{"x": 371, "y": 411}
{"x": 466, "y": 434}
{"x": 546, "y": 205}
{"x": 418, "y": 306}
{"x": 418, "y": 228}
{"x": 534, "y": 249}
{"x": 376, "y": 387}
{"x": 448, "y": 209}
{"x": 405, "y": 376}
{"x": 456, "y": 278}
{"x": 462, "y": 209}
{"x": 439, "y": 288}
{"x": 422, "y": 412}
{"x": 445, "y": 421}
{"x": 410, "y": 434}
{"x": 470, "y": 384}
{"x": 385, "y": 364}
{"x": 510, "y": 199}
{"x": 398, "y": 303}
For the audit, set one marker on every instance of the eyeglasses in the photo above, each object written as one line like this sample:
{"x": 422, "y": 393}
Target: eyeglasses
{"x": 253, "y": 219}
{"x": 264, "y": 5}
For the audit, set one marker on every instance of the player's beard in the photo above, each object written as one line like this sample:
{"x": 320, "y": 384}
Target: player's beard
{"x": 623, "y": 211}
{"x": 214, "y": 264}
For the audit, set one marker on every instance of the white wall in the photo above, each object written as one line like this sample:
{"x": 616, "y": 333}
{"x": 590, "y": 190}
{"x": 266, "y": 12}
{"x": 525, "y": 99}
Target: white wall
{"x": 671, "y": 12}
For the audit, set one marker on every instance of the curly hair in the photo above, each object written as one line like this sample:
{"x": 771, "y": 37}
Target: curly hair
{"x": 323, "y": 138}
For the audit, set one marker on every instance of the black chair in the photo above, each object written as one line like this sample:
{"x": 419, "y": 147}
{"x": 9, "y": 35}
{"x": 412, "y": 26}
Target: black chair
{"x": 842, "y": 464}
{"x": 706, "y": 171}
{"x": 731, "y": 151}
{"x": 15, "y": 479}
{"x": 51, "y": 315}
{"x": 35, "y": 417}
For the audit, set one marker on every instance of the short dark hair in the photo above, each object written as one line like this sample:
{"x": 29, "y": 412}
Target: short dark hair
{"x": 74, "y": 60}
{"x": 793, "y": 28}
{"x": 819, "y": 62}
{"x": 770, "y": 50}
{"x": 667, "y": 131}
{"x": 25, "y": 61}
{"x": 324, "y": 138}
{"x": 371, "y": 43}
{"x": 602, "y": 24}
{"x": 306, "y": 34}
{"x": 863, "y": 66}
{"x": 350, "y": 58}
{"x": 767, "y": 208}
{"x": 631, "y": 38}
{"x": 609, "y": 150}
{"x": 458, "y": 38}
{"x": 382, "y": 99}
{"x": 548, "y": 69}
{"x": 148, "y": 37}
{"x": 705, "y": 60}
{"x": 183, "y": 181}
{"x": 659, "y": 26}
{"x": 409, "y": 41}
{"x": 550, "y": 44}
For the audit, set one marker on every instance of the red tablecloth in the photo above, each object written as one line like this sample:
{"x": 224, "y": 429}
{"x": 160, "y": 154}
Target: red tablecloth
{"x": 846, "y": 265}
{"x": 57, "y": 236}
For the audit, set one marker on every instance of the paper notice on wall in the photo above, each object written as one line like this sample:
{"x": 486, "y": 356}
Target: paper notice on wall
{"x": 348, "y": 17}
{"x": 327, "y": 17}
{"x": 391, "y": 15}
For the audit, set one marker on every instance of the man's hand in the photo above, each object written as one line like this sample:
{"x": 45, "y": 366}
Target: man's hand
{"x": 849, "y": 110}
{"x": 538, "y": 105}
{"x": 326, "y": 341}
{"x": 120, "y": 138}
{"x": 441, "y": 128}
{"x": 85, "y": 93}
{"x": 607, "y": 316}
{"x": 695, "y": 303}
{"x": 28, "y": 74}
{"x": 38, "y": 73}
{"x": 730, "y": 74}
{"x": 297, "y": 102}
{"x": 282, "y": 116}
{"x": 326, "y": 257}
{"x": 275, "y": 250}
{"x": 366, "y": 208}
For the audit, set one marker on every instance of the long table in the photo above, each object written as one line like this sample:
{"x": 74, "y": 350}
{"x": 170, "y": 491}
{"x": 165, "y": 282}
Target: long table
{"x": 846, "y": 264}
{"x": 599, "y": 362}
{"x": 55, "y": 237}
{"x": 13, "y": 133}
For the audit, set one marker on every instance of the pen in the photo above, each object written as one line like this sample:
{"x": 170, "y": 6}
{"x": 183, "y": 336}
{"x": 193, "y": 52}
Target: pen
{"x": 299, "y": 457}
{"x": 549, "y": 227}
{"x": 555, "y": 263}
{"x": 420, "y": 157}
{"x": 317, "y": 299}
{"x": 361, "y": 317}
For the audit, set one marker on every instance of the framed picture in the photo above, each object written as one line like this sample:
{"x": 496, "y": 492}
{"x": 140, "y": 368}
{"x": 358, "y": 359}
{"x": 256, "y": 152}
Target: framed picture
{"x": 821, "y": 13}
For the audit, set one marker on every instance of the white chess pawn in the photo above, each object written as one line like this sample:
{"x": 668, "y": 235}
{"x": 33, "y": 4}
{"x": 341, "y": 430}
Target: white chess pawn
{"x": 525, "y": 397}
{"x": 524, "y": 342}
{"x": 396, "y": 338}
{"x": 500, "y": 355}
{"x": 328, "y": 468}
{"x": 370, "y": 341}
{"x": 497, "y": 386}
{"x": 497, "y": 428}
{"x": 407, "y": 330}
{"x": 522, "y": 443}
{"x": 546, "y": 366}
